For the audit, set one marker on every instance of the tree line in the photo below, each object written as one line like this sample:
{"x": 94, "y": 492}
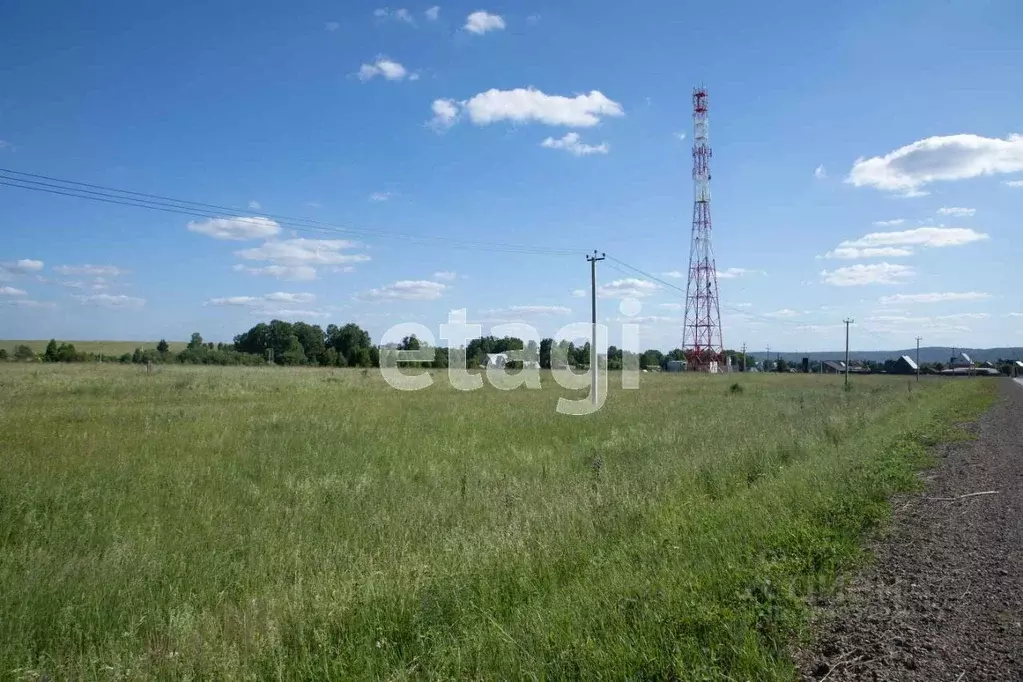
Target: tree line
{"x": 299, "y": 343}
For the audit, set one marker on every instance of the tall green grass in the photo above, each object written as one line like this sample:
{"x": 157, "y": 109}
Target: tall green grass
{"x": 314, "y": 524}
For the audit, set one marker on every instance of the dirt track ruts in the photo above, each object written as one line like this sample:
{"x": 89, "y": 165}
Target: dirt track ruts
{"x": 944, "y": 598}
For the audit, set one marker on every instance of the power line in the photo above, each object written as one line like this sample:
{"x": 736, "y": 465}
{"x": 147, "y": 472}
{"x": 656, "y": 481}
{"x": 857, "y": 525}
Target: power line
{"x": 739, "y": 311}
{"x": 93, "y": 192}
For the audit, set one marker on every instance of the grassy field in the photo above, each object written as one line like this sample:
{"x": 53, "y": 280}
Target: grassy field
{"x": 112, "y": 348}
{"x": 211, "y": 523}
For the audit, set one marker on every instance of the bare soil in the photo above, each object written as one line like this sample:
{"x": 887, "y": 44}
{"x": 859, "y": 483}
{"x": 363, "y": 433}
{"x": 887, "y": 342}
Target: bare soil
{"x": 944, "y": 598}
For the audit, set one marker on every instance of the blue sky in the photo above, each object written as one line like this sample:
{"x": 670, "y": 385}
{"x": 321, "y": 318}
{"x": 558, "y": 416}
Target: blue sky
{"x": 550, "y": 126}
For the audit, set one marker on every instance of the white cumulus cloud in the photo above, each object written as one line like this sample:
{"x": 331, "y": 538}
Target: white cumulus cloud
{"x": 784, "y": 313}
{"x": 949, "y": 157}
{"x": 402, "y": 15}
{"x": 406, "y": 290}
{"x": 269, "y": 305}
{"x": 527, "y": 105}
{"x": 236, "y": 229}
{"x": 91, "y": 270}
{"x": 297, "y": 258}
{"x": 889, "y": 223}
{"x": 956, "y": 211}
{"x": 119, "y": 301}
{"x": 578, "y": 293}
{"x": 444, "y": 275}
{"x": 925, "y": 237}
{"x": 480, "y": 22}
{"x": 851, "y": 252}
{"x": 387, "y": 68}
{"x": 1014, "y": 183}
{"x": 29, "y": 303}
{"x": 733, "y": 273}
{"x": 529, "y": 310}
{"x": 445, "y": 113}
{"x": 379, "y": 196}
{"x": 629, "y": 287}
{"x": 24, "y": 266}
{"x": 331, "y": 26}
{"x": 291, "y": 313}
{"x": 819, "y": 172}
{"x": 433, "y": 13}
{"x": 674, "y": 274}
{"x": 939, "y": 297}
{"x": 95, "y": 284}
{"x": 294, "y": 273}
{"x": 11, "y": 291}
{"x": 573, "y": 145}
{"x": 860, "y": 274}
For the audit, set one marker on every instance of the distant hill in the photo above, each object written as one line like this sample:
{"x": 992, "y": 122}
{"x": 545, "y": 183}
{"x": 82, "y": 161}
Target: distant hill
{"x": 928, "y": 354}
{"x": 96, "y": 347}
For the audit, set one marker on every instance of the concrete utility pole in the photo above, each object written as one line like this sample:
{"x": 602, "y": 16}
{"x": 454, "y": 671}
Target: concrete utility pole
{"x": 743, "y": 357}
{"x": 593, "y": 329}
{"x": 848, "y": 322}
{"x": 918, "y": 358}
{"x": 768, "y": 357}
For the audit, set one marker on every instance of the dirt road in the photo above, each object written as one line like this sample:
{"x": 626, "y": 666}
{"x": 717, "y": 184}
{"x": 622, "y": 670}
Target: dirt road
{"x": 944, "y": 600}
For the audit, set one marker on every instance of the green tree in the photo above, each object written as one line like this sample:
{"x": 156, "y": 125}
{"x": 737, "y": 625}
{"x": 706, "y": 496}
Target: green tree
{"x": 650, "y": 359}
{"x": 67, "y": 353}
{"x": 196, "y": 341}
{"x": 3, "y": 354}
{"x": 409, "y": 343}
{"x": 545, "y": 353}
{"x": 293, "y": 353}
{"x": 163, "y": 346}
{"x": 364, "y": 358}
{"x": 23, "y": 352}
{"x": 51, "y": 354}
{"x": 783, "y": 365}
{"x": 349, "y": 341}
{"x": 254, "y": 341}
{"x": 312, "y": 339}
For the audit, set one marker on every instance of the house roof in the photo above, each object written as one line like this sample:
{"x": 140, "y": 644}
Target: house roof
{"x": 909, "y": 361}
{"x": 835, "y": 364}
{"x": 1019, "y": 363}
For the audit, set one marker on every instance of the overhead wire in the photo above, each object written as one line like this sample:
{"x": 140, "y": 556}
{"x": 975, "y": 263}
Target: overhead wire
{"x": 112, "y": 195}
{"x": 739, "y": 311}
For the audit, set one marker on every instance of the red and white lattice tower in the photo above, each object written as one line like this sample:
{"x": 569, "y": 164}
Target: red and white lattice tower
{"x": 701, "y": 333}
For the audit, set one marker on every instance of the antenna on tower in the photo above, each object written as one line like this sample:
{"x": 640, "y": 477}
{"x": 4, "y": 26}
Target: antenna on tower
{"x": 701, "y": 333}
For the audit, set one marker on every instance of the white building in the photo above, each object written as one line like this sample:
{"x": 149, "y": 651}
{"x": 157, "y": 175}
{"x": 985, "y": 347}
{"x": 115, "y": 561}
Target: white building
{"x": 500, "y": 360}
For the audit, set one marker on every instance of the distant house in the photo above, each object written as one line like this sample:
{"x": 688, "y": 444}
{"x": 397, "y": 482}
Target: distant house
{"x": 501, "y": 360}
{"x": 971, "y": 371}
{"x": 495, "y": 360}
{"x": 834, "y": 367}
{"x": 674, "y": 366}
{"x": 904, "y": 365}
